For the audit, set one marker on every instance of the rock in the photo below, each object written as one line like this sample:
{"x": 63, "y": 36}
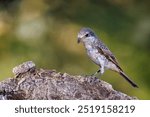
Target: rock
{"x": 41, "y": 84}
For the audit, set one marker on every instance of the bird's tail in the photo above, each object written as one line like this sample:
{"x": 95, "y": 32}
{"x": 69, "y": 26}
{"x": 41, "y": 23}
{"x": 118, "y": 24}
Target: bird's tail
{"x": 127, "y": 78}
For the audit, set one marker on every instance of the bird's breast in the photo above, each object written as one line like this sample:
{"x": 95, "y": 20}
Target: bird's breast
{"x": 96, "y": 57}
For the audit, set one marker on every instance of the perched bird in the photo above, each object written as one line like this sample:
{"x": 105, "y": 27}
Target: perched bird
{"x": 100, "y": 54}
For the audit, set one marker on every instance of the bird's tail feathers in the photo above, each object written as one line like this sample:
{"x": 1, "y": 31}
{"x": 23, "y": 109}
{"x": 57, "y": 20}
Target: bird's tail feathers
{"x": 127, "y": 78}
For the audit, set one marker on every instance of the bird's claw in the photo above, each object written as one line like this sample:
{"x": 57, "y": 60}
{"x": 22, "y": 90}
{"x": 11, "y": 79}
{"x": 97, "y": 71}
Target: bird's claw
{"x": 92, "y": 79}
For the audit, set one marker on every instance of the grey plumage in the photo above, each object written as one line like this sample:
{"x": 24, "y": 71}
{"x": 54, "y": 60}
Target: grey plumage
{"x": 100, "y": 54}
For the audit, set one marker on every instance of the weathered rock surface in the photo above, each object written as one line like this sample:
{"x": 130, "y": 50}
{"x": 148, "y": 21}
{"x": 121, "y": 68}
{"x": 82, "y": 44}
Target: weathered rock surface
{"x": 30, "y": 83}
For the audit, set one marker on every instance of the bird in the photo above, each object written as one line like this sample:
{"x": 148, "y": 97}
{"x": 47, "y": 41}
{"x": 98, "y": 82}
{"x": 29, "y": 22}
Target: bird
{"x": 100, "y": 54}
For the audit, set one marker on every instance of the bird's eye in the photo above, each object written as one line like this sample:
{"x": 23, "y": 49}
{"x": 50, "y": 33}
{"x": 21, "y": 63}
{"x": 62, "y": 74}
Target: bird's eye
{"x": 87, "y": 35}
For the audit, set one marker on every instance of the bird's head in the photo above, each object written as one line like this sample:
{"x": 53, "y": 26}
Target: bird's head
{"x": 86, "y": 35}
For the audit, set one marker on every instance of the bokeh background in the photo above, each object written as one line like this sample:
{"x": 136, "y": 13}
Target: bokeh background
{"x": 45, "y": 31}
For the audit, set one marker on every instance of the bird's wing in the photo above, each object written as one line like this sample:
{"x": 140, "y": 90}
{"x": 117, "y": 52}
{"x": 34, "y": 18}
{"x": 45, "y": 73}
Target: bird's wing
{"x": 108, "y": 54}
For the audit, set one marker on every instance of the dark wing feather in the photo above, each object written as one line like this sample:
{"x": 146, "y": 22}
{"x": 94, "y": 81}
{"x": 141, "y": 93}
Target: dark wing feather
{"x": 107, "y": 53}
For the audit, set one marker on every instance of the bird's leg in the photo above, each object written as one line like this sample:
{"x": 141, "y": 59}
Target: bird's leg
{"x": 96, "y": 73}
{"x": 100, "y": 71}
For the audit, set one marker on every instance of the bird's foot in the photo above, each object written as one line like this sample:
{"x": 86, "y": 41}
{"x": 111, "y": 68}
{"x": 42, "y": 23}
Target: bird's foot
{"x": 92, "y": 79}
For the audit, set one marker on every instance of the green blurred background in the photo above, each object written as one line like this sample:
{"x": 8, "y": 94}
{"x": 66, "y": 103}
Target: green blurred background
{"x": 45, "y": 31}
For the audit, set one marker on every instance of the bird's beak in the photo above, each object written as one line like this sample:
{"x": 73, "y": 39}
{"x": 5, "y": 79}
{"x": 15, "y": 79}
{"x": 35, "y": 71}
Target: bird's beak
{"x": 79, "y": 40}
